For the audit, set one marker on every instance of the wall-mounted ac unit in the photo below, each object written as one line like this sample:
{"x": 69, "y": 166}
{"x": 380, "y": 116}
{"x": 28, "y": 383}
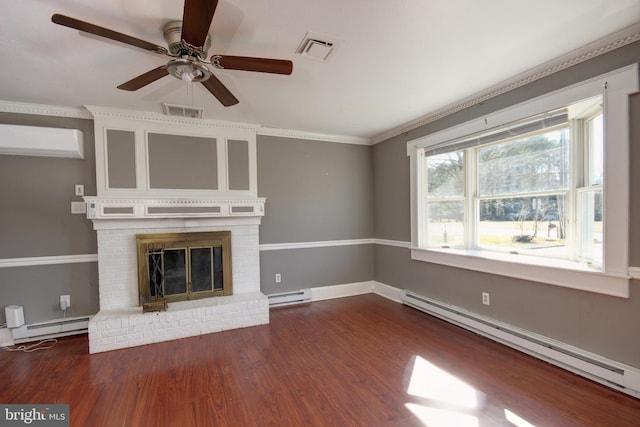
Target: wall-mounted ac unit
{"x": 41, "y": 141}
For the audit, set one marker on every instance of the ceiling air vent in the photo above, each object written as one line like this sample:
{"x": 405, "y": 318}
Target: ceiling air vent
{"x": 315, "y": 48}
{"x": 182, "y": 111}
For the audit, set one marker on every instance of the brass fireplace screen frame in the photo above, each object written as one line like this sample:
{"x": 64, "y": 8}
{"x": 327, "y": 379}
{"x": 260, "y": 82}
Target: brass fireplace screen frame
{"x": 151, "y": 266}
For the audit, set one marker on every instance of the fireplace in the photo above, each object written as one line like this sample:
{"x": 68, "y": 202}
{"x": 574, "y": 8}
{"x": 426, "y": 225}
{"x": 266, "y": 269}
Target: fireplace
{"x": 183, "y": 266}
{"x": 122, "y": 322}
{"x": 177, "y": 218}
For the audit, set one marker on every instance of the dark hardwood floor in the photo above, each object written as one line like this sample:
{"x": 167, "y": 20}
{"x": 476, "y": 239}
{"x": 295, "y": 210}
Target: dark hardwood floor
{"x": 357, "y": 361}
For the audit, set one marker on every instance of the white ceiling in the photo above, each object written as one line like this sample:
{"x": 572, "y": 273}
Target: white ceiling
{"x": 395, "y": 60}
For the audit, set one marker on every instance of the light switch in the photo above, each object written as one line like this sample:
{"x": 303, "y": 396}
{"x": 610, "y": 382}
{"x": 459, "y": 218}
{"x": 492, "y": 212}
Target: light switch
{"x": 79, "y": 190}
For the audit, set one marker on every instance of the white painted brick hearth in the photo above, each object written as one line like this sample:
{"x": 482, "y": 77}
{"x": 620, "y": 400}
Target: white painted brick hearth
{"x": 121, "y": 322}
{"x": 129, "y": 327}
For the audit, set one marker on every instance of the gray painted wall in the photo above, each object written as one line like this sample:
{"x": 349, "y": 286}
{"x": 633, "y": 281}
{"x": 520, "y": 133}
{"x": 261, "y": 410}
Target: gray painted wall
{"x": 601, "y": 324}
{"x": 36, "y": 220}
{"x": 314, "y": 267}
{"x": 316, "y": 191}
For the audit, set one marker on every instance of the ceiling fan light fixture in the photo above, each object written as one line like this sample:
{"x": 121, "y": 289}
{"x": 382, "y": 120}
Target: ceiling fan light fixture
{"x": 188, "y": 70}
{"x": 192, "y": 75}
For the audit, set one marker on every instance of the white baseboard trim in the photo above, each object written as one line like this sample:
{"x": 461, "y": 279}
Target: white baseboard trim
{"x": 339, "y": 291}
{"x": 6, "y": 339}
{"x": 359, "y": 288}
{"x": 389, "y": 292}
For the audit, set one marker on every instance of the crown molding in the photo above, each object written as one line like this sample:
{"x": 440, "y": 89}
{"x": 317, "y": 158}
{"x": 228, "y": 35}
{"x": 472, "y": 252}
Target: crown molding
{"x": 614, "y": 41}
{"x": 44, "y": 110}
{"x": 115, "y": 113}
{"x": 91, "y": 111}
{"x": 298, "y": 134}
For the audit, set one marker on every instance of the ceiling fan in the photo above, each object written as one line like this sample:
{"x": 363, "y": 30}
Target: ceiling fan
{"x": 188, "y": 42}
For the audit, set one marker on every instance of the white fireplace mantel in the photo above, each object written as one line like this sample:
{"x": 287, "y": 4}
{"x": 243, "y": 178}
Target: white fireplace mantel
{"x": 100, "y": 209}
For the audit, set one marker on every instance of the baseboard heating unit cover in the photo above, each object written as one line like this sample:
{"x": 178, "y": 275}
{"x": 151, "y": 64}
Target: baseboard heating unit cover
{"x": 589, "y": 365}
{"x": 51, "y": 329}
{"x": 289, "y": 298}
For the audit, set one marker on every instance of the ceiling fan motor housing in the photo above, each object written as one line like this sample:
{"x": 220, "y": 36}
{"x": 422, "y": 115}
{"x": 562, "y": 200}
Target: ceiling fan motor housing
{"x": 172, "y": 33}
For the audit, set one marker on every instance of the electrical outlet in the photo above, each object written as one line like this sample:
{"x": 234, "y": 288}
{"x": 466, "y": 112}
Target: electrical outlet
{"x": 485, "y": 298}
{"x": 278, "y": 278}
{"x": 65, "y": 302}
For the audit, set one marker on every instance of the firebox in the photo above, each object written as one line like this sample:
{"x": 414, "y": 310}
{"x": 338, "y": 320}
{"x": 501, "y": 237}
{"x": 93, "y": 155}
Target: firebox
{"x": 182, "y": 266}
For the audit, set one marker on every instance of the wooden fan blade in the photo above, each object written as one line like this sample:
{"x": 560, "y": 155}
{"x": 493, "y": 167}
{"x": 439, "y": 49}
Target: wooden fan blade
{"x": 220, "y": 91}
{"x": 105, "y": 32}
{"x": 196, "y": 20}
{"x": 246, "y": 63}
{"x": 144, "y": 79}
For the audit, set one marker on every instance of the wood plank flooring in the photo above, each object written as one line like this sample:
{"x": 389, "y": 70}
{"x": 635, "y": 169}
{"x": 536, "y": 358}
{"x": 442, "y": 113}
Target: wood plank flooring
{"x": 357, "y": 361}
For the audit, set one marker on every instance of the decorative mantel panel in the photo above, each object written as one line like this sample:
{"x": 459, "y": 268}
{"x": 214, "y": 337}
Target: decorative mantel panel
{"x": 147, "y": 155}
{"x": 129, "y": 208}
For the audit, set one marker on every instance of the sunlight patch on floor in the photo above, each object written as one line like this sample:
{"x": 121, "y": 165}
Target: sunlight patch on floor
{"x": 434, "y": 417}
{"x": 516, "y": 419}
{"x": 430, "y": 382}
{"x": 440, "y": 399}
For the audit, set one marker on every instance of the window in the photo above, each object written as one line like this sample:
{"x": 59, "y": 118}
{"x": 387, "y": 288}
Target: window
{"x": 538, "y": 191}
{"x": 519, "y": 179}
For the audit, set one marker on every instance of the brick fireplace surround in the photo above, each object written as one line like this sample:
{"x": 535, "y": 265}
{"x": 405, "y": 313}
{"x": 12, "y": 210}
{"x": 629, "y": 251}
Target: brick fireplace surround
{"x": 120, "y": 322}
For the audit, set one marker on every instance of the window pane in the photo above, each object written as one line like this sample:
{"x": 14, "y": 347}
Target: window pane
{"x": 445, "y": 227}
{"x": 590, "y": 239}
{"x": 596, "y": 150}
{"x": 445, "y": 174}
{"x": 526, "y": 225}
{"x": 536, "y": 163}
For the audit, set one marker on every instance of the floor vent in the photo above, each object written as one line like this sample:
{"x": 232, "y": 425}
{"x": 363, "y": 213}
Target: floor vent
{"x": 182, "y": 111}
{"x": 289, "y": 298}
{"x": 608, "y": 372}
{"x": 51, "y": 329}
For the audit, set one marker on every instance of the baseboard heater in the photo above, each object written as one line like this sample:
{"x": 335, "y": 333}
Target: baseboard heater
{"x": 51, "y": 329}
{"x": 289, "y": 298}
{"x": 597, "y": 368}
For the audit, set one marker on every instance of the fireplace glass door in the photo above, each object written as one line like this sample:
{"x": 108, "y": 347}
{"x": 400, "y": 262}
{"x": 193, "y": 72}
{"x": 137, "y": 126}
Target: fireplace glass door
{"x": 183, "y": 266}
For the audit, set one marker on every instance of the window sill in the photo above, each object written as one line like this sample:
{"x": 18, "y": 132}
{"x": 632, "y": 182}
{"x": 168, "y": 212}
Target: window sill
{"x": 550, "y": 271}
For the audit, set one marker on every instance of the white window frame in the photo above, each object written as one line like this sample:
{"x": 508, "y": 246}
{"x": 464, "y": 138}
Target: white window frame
{"x": 615, "y": 88}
